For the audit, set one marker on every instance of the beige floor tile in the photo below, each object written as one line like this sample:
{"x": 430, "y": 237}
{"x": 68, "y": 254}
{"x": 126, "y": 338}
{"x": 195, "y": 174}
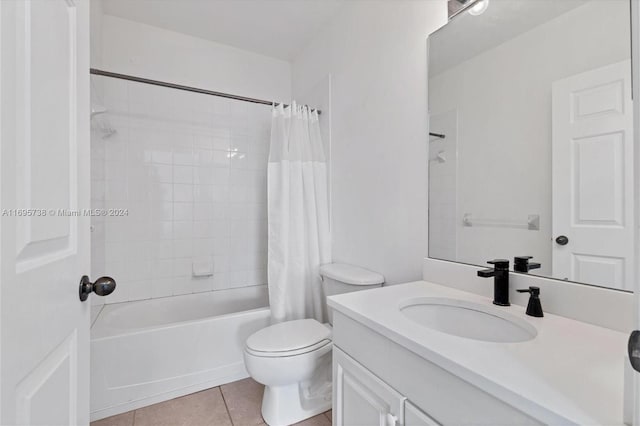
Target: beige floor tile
{"x": 244, "y": 401}
{"x": 198, "y": 409}
{"x": 124, "y": 419}
{"x": 319, "y": 420}
{"x": 329, "y": 415}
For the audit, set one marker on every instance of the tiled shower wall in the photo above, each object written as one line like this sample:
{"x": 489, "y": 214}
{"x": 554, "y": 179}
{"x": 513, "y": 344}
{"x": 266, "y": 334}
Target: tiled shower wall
{"x": 190, "y": 172}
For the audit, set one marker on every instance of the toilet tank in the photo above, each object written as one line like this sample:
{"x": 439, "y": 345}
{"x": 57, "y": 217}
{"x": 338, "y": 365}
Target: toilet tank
{"x": 339, "y": 278}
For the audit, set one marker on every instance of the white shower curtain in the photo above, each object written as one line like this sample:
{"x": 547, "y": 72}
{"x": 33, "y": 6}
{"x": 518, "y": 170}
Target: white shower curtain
{"x": 298, "y": 214}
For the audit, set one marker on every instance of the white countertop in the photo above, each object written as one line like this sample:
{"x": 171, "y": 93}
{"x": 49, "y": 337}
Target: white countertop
{"x": 571, "y": 372}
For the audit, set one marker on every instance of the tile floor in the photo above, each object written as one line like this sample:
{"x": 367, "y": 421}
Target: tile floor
{"x": 233, "y": 404}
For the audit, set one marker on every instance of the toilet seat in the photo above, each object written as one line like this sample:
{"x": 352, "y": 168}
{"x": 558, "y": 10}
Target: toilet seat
{"x": 300, "y": 351}
{"x": 289, "y": 338}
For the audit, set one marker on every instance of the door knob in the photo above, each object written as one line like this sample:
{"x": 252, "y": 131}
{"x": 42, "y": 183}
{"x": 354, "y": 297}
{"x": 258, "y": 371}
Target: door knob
{"x": 633, "y": 348}
{"x": 562, "y": 240}
{"x": 102, "y": 287}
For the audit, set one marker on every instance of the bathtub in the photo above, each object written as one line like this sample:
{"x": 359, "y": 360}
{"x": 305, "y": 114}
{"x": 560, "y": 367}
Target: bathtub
{"x": 150, "y": 351}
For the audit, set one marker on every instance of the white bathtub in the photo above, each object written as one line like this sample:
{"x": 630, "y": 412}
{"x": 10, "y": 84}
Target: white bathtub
{"x": 154, "y": 350}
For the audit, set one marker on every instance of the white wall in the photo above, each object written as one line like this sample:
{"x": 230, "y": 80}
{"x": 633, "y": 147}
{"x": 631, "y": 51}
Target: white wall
{"x": 142, "y": 50}
{"x": 503, "y": 98}
{"x": 375, "y": 54}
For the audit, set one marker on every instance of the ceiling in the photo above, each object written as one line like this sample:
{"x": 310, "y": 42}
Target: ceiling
{"x": 467, "y": 36}
{"x": 276, "y": 28}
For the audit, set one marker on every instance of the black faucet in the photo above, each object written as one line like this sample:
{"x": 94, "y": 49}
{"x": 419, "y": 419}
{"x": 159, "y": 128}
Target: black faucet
{"x": 522, "y": 264}
{"x": 500, "y": 274}
{"x": 534, "y": 307}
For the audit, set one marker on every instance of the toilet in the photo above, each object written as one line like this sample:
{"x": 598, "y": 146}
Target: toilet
{"x": 293, "y": 358}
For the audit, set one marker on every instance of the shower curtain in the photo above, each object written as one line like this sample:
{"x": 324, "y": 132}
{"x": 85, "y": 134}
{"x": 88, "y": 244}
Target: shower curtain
{"x": 298, "y": 214}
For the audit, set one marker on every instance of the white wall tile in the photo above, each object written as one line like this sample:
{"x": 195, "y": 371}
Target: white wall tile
{"x": 203, "y": 193}
{"x": 163, "y": 249}
{"x": 182, "y": 267}
{"x": 221, "y": 158}
{"x": 220, "y": 193}
{"x": 162, "y": 211}
{"x": 202, "y": 211}
{"x": 221, "y": 246}
{"x": 193, "y": 178}
{"x": 162, "y": 287}
{"x": 183, "y": 211}
{"x": 183, "y": 248}
{"x": 161, "y": 191}
{"x": 162, "y": 268}
{"x": 203, "y": 246}
{"x": 200, "y": 284}
{"x": 162, "y": 173}
{"x": 183, "y": 156}
{"x": 182, "y": 193}
{"x": 203, "y": 229}
{"x": 183, "y": 174}
{"x": 203, "y": 175}
{"x": 182, "y": 230}
{"x": 115, "y": 190}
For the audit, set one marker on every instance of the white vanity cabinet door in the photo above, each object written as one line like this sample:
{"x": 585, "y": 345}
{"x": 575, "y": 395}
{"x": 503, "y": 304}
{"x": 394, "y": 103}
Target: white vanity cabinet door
{"x": 413, "y": 416}
{"x": 362, "y": 399}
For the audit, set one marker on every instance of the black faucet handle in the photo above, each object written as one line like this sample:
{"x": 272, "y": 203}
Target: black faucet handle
{"x": 534, "y": 291}
{"x": 486, "y": 273}
{"x": 500, "y": 264}
{"x": 522, "y": 264}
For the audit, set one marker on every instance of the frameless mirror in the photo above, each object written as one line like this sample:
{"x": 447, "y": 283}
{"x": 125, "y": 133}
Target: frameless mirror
{"x": 531, "y": 147}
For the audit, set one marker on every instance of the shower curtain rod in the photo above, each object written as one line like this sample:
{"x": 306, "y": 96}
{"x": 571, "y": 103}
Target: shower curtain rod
{"x": 96, "y": 71}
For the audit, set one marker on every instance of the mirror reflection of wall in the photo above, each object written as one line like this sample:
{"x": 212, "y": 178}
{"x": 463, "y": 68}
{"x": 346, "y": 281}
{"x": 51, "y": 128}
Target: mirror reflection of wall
{"x": 534, "y": 101}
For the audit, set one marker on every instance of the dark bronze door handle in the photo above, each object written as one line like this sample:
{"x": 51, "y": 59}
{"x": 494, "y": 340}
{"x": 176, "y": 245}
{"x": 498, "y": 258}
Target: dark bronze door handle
{"x": 634, "y": 349}
{"x": 562, "y": 240}
{"x": 102, "y": 287}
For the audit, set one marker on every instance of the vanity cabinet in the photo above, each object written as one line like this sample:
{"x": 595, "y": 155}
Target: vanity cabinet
{"x": 378, "y": 382}
{"x": 361, "y": 398}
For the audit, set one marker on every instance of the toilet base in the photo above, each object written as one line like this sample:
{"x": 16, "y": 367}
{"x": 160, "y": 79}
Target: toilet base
{"x": 286, "y": 405}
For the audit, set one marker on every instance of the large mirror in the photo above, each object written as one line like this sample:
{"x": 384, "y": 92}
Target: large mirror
{"x": 531, "y": 147}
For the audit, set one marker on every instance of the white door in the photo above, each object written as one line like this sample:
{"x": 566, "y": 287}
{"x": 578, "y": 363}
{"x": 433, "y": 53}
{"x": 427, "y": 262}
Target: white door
{"x": 44, "y": 158}
{"x": 361, "y": 398}
{"x": 632, "y": 378}
{"x": 593, "y": 221}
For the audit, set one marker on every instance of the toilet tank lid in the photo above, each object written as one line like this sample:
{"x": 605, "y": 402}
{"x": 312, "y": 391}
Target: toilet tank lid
{"x": 350, "y": 274}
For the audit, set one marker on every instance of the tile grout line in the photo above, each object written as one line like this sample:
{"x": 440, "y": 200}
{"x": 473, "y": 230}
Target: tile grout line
{"x": 133, "y": 418}
{"x": 225, "y": 405}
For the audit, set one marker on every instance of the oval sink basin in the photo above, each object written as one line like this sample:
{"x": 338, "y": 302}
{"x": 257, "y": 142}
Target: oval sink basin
{"x": 467, "y": 319}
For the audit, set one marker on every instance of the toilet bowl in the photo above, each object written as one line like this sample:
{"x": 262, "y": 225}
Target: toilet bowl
{"x": 293, "y": 358}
